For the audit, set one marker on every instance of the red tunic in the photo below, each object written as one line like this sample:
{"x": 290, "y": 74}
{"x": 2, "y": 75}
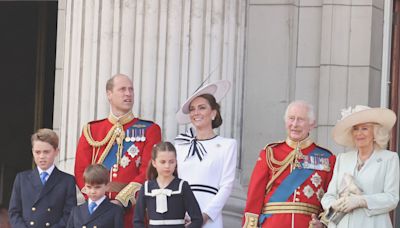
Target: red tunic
{"x": 134, "y": 171}
{"x": 309, "y": 192}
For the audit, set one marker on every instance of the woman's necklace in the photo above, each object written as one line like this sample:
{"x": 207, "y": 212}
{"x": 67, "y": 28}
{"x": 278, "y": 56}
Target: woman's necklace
{"x": 360, "y": 163}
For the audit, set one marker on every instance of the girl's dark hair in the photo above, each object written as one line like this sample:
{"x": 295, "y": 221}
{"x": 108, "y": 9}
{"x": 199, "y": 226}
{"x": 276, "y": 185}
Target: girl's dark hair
{"x": 214, "y": 106}
{"x": 161, "y": 146}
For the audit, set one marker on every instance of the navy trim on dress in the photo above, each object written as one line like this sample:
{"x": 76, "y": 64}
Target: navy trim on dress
{"x": 204, "y": 188}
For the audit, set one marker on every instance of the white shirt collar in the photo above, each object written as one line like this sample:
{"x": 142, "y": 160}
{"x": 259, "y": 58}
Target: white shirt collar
{"x": 49, "y": 170}
{"x": 98, "y": 202}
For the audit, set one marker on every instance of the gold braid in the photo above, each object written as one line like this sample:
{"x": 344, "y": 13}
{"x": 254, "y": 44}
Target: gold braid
{"x": 272, "y": 161}
{"x": 116, "y": 133}
{"x": 282, "y": 165}
{"x": 91, "y": 141}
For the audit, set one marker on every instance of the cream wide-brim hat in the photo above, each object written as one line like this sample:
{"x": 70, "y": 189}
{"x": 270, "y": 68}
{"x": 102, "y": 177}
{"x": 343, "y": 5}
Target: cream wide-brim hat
{"x": 218, "y": 89}
{"x": 361, "y": 114}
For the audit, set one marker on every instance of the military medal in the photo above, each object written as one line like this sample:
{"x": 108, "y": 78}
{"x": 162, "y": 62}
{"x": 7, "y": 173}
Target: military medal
{"x": 315, "y": 162}
{"x": 138, "y": 137}
{"x": 125, "y": 161}
{"x": 133, "y": 150}
{"x": 308, "y": 191}
{"x": 316, "y": 179}
{"x": 143, "y": 138}
{"x": 133, "y": 138}
{"x": 127, "y": 138}
{"x": 320, "y": 193}
{"x": 325, "y": 164}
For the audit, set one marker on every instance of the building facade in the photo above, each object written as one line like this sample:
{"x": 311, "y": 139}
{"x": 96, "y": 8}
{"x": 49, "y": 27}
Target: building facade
{"x": 332, "y": 53}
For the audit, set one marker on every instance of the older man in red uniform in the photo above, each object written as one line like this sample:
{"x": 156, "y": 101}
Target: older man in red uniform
{"x": 122, "y": 143}
{"x": 290, "y": 177}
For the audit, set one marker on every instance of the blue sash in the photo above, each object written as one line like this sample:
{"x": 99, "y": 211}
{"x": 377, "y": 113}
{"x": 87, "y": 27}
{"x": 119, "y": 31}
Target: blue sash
{"x": 292, "y": 181}
{"x": 111, "y": 157}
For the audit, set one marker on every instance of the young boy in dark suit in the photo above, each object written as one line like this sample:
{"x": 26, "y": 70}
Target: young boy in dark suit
{"x": 44, "y": 196}
{"x": 98, "y": 211}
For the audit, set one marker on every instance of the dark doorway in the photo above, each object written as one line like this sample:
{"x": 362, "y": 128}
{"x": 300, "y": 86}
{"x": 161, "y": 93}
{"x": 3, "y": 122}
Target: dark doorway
{"x": 27, "y": 64}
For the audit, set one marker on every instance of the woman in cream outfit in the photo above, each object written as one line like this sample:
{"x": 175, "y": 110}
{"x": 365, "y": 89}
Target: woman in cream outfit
{"x": 206, "y": 160}
{"x": 374, "y": 169}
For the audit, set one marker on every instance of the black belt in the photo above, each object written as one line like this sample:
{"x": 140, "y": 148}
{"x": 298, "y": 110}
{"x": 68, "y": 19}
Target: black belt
{"x": 204, "y": 188}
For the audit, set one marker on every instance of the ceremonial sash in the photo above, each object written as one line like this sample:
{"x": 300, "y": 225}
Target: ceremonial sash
{"x": 292, "y": 181}
{"x": 111, "y": 157}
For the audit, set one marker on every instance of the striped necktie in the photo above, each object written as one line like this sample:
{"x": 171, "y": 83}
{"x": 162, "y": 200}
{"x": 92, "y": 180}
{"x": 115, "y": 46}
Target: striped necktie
{"x": 92, "y": 206}
{"x": 43, "y": 176}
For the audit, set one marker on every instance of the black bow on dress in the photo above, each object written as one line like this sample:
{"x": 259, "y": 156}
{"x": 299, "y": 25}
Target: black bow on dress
{"x": 196, "y": 148}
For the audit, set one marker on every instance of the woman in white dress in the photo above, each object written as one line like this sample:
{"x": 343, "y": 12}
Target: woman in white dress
{"x": 365, "y": 183}
{"x": 206, "y": 160}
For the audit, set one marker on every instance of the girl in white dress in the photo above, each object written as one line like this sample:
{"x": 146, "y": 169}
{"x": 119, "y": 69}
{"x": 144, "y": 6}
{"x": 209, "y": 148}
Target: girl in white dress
{"x": 206, "y": 160}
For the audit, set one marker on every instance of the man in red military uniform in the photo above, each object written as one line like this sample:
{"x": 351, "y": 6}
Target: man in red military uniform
{"x": 122, "y": 143}
{"x": 290, "y": 177}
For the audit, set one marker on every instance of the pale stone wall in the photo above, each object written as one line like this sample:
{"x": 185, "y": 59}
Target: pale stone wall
{"x": 327, "y": 52}
{"x": 167, "y": 47}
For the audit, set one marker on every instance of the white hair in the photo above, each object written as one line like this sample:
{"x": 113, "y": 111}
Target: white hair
{"x": 381, "y": 136}
{"x": 308, "y": 106}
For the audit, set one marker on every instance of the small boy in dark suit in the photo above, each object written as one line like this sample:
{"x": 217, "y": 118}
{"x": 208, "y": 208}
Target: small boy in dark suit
{"x": 97, "y": 211}
{"x": 44, "y": 196}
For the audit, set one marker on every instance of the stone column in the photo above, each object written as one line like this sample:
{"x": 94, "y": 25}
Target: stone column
{"x": 327, "y": 52}
{"x": 351, "y": 61}
{"x": 167, "y": 47}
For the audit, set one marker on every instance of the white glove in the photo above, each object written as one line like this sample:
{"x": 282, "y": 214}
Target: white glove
{"x": 352, "y": 202}
{"x": 338, "y": 203}
{"x": 349, "y": 186}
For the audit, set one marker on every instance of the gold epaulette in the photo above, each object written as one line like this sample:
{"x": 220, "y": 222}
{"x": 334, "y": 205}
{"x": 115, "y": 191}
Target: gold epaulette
{"x": 273, "y": 144}
{"x": 269, "y": 156}
{"x": 116, "y": 133}
{"x": 251, "y": 220}
{"x": 128, "y": 194}
{"x": 88, "y": 135}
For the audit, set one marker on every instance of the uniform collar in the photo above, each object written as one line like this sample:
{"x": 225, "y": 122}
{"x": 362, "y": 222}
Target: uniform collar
{"x": 126, "y": 118}
{"x": 302, "y": 144}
